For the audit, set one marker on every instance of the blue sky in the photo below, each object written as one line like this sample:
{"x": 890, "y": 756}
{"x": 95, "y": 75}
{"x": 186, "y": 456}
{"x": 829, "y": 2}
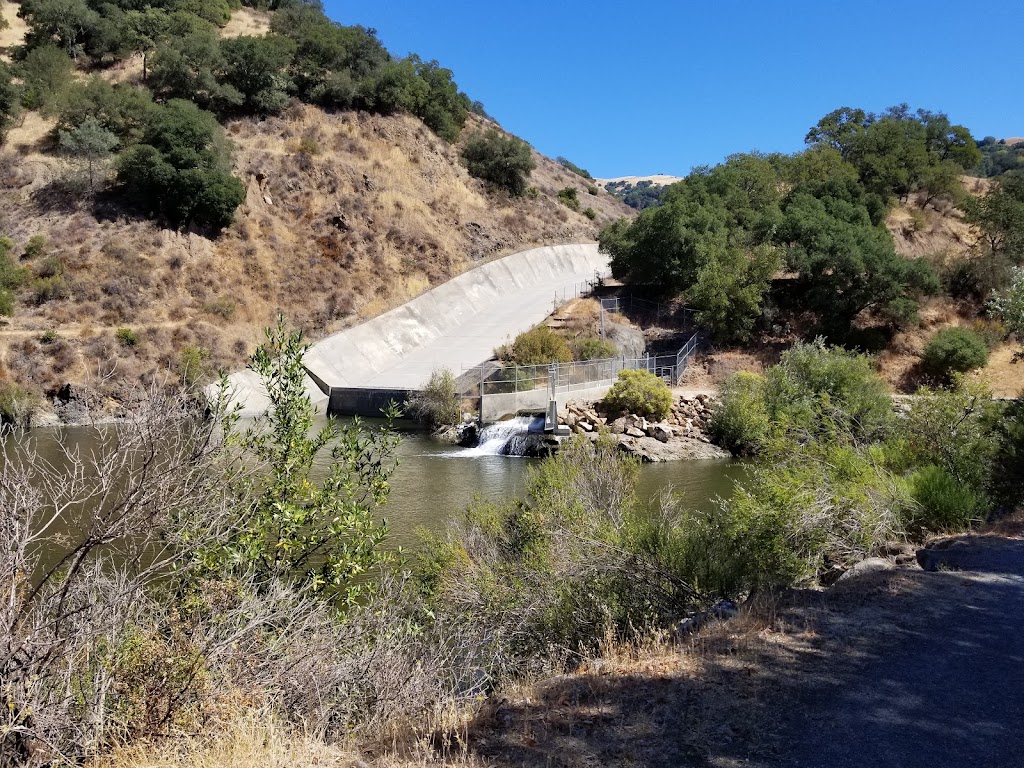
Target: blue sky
{"x": 626, "y": 88}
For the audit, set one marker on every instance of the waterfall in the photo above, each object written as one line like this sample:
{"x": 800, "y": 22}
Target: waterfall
{"x": 506, "y": 438}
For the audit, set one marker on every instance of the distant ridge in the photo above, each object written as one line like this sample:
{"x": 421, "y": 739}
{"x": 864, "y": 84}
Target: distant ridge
{"x": 658, "y": 179}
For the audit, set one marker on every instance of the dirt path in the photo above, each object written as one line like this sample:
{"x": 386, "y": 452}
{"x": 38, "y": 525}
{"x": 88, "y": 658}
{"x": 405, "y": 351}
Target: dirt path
{"x": 935, "y": 677}
{"x": 903, "y": 668}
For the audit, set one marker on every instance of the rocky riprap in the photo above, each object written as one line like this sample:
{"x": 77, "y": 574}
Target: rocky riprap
{"x": 682, "y": 435}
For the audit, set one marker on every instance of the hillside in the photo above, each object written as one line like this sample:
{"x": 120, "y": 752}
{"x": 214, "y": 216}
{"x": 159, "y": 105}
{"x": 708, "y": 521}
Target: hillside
{"x": 346, "y": 214}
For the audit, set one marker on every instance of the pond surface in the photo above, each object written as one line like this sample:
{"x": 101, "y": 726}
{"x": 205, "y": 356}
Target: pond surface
{"x": 434, "y": 482}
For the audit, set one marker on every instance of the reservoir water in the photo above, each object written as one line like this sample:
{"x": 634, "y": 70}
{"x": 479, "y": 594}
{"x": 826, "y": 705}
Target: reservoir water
{"x": 434, "y": 481}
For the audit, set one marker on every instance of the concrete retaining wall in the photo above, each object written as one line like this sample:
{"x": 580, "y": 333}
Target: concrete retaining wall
{"x": 357, "y": 401}
{"x": 455, "y": 325}
{"x": 497, "y": 407}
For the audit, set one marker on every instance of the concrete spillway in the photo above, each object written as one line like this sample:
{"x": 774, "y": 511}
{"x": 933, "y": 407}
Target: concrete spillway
{"x": 456, "y": 325}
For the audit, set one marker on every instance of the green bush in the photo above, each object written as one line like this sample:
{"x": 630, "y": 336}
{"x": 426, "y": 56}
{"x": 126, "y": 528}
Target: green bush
{"x": 593, "y": 348}
{"x": 590, "y": 213}
{"x": 17, "y": 405}
{"x": 127, "y": 337}
{"x": 505, "y": 161}
{"x": 6, "y": 303}
{"x": 539, "y": 346}
{"x": 569, "y": 197}
{"x": 592, "y": 190}
{"x": 739, "y": 421}
{"x": 194, "y": 365}
{"x": 50, "y": 288}
{"x": 827, "y": 392}
{"x": 641, "y": 393}
{"x": 438, "y": 403}
{"x": 580, "y": 556}
{"x": 954, "y": 350}
{"x": 35, "y": 247}
{"x": 942, "y": 503}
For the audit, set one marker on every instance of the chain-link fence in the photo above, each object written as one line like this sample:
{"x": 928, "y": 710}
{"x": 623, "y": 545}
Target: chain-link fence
{"x": 559, "y": 378}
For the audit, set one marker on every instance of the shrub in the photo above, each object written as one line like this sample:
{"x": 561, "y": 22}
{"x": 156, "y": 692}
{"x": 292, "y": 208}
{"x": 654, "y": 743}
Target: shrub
{"x": 641, "y": 393}
{"x": 569, "y": 198}
{"x": 590, "y": 213}
{"x": 593, "y": 348}
{"x": 592, "y": 190}
{"x": 540, "y": 346}
{"x": 6, "y": 303}
{"x": 438, "y": 403}
{"x": 578, "y": 557}
{"x": 50, "y": 288}
{"x": 35, "y": 247}
{"x": 739, "y": 421}
{"x": 954, "y": 350}
{"x": 17, "y": 405}
{"x": 194, "y": 365}
{"x": 126, "y": 337}
{"x": 49, "y": 337}
{"x": 942, "y": 503}
{"x": 806, "y": 512}
{"x": 221, "y": 307}
{"x": 820, "y": 391}
{"x": 505, "y": 161}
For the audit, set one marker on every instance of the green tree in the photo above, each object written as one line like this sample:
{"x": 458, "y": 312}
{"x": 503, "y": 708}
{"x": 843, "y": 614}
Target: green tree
{"x": 729, "y": 292}
{"x": 45, "y": 74}
{"x": 147, "y": 29}
{"x": 10, "y": 100}
{"x": 256, "y": 68}
{"x": 90, "y": 143}
{"x": 840, "y": 130}
{"x": 186, "y": 67}
{"x": 125, "y": 111}
{"x": 1000, "y": 216}
{"x": 70, "y": 24}
{"x": 321, "y": 535}
{"x": 734, "y": 205}
{"x": 182, "y": 168}
{"x": 847, "y": 263}
{"x": 444, "y": 107}
{"x": 504, "y": 161}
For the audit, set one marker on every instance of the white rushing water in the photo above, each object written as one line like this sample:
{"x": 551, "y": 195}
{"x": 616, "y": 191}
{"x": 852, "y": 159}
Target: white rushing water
{"x": 506, "y": 438}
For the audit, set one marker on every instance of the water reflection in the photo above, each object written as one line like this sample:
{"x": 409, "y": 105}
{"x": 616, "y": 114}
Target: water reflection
{"x": 434, "y": 481}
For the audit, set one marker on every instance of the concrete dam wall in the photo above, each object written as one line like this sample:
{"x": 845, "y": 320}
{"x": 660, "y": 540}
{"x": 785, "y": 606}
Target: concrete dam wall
{"x": 456, "y": 325}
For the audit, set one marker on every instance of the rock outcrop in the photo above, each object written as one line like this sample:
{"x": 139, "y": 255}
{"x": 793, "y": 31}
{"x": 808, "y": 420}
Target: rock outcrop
{"x": 680, "y": 436}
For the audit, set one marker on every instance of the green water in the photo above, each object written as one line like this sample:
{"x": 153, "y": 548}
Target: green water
{"x": 434, "y": 481}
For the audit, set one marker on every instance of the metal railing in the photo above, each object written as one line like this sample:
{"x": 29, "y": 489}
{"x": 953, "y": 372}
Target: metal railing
{"x": 632, "y": 306}
{"x": 561, "y": 378}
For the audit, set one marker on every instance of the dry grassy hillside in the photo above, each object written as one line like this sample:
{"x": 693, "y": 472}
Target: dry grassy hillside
{"x": 346, "y": 215}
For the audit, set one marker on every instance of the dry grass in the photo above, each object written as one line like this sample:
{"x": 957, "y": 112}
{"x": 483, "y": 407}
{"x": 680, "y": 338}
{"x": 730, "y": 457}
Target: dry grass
{"x": 346, "y": 216}
{"x": 16, "y": 28}
{"x": 246, "y": 22}
{"x": 253, "y": 739}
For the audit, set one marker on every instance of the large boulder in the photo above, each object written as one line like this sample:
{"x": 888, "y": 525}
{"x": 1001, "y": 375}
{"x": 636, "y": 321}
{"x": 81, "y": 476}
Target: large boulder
{"x": 629, "y": 340}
